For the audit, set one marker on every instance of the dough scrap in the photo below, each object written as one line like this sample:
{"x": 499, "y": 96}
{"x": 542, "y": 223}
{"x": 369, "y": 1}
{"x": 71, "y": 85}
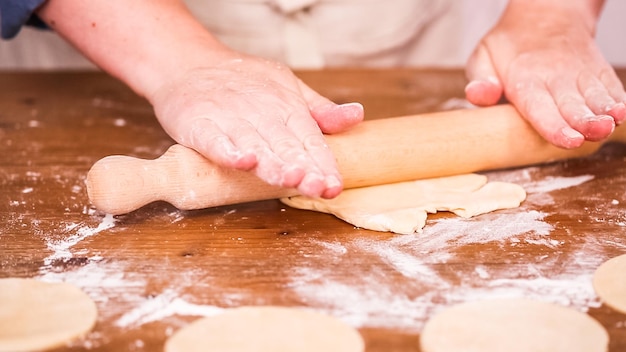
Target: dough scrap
{"x": 266, "y": 329}
{"x": 37, "y": 315}
{"x": 403, "y": 207}
{"x": 609, "y": 282}
{"x": 513, "y": 325}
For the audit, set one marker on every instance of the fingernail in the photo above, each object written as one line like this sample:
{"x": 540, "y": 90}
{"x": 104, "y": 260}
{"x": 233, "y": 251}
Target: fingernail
{"x": 356, "y": 107}
{"x": 571, "y": 133}
{"x": 572, "y": 138}
{"x": 334, "y": 186}
{"x": 353, "y": 104}
{"x": 610, "y": 107}
{"x": 490, "y": 80}
{"x": 472, "y": 84}
{"x": 312, "y": 185}
{"x": 617, "y": 111}
{"x": 289, "y": 176}
{"x": 332, "y": 181}
{"x": 493, "y": 80}
{"x": 594, "y": 118}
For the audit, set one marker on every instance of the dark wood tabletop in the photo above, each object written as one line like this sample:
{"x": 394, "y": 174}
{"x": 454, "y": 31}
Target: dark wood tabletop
{"x": 154, "y": 270}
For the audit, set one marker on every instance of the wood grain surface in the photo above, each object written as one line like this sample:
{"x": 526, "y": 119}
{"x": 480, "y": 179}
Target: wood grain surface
{"x": 156, "y": 269}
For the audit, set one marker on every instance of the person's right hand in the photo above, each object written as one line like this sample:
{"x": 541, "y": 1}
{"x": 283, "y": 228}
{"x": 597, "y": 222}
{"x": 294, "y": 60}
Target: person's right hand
{"x": 254, "y": 114}
{"x": 542, "y": 57}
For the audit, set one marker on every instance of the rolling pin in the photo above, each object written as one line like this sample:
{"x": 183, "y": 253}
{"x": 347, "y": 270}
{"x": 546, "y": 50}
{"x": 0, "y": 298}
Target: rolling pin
{"x": 374, "y": 152}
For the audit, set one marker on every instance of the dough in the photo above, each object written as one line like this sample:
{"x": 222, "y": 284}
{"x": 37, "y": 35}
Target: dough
{"x": 266, "y": 329}
{"x": 37, "y": 315}
{"x": 609, "y": 282}
{"x": 403, "y": 207}
{"x": 513, "y": 325}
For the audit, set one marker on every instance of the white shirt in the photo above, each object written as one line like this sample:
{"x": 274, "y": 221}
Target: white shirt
{"x": 327, "y": 33}
{"x": 310, "y": 33}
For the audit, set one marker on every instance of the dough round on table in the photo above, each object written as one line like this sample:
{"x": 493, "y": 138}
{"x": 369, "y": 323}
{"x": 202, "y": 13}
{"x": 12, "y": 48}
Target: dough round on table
{"x": 266, "y": 329}
{"x": 403, "y": 207}
{"x": 37, "y": 315}
{"x": 609, "y": 282}
{"x": 513, "y": 325}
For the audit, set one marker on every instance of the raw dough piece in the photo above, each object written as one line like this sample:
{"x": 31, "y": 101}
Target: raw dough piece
{"x": 513, "y": 325}
{"x": 266, "y": 329}
{"x": 37, "y": 315}
{"x": 609, "y": 282}
{"x": 403, "y": 207}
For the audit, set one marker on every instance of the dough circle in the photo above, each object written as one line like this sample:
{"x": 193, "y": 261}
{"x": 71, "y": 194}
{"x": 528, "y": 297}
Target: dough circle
{"x": 513, "y": 325}
{"x": 36, "y": 315}
{"x": 609, "y": 282}
{"x": 266, "y": 329}
{"x": 403, "y": 207}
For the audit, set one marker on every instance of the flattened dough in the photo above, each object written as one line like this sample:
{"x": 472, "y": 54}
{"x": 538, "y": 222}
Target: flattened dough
{"x": 403, "y": 207}
{"x": 37, "y": 315}
{"x": 266, "y": 329}
{"x": 513, "y": 325}
{"x": 609, "y": 282}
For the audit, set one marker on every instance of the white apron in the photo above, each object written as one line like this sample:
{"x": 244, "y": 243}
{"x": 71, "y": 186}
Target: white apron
{"x": 331, "y": 33}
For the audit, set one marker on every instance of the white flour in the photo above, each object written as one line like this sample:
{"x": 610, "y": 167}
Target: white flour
{"x": 371, "y": 298}
{"x": 374, "y": 298}
{"x": 61, "y": 250}
{"x": 163, "y": 306}
{"x": 553, "y": 183}
{"x": 100, "y": 280}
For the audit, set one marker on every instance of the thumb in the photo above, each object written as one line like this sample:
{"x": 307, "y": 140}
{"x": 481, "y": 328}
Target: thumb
{"x": 330, "y": 117}
{"x": 484, "y": 87}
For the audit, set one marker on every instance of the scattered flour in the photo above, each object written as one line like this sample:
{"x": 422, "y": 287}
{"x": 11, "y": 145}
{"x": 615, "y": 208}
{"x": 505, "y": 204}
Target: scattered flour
{"x": 335, "y": 247}
{"x": 62, "y": 249}
{"x": 493, "y": 227}
{"x": 373, "y": 303}
{"x": 100, "y": 279}
{"x": 374, "y": 298}
{"x": 162, "y": 306}
{"x": 554, "y": 183}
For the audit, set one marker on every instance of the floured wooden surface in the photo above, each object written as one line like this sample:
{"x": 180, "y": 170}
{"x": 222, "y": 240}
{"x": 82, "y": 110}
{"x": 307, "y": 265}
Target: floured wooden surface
{"x": 153, "y": 271}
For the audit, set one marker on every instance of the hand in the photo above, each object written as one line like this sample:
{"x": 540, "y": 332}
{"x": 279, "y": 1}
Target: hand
{"x": 547, "y": 64}
{"x": 238, "y": 111}
{"x": 253, "y": 114}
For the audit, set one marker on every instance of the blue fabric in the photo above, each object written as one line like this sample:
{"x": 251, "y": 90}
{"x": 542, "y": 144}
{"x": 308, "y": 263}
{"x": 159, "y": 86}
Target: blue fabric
{"x": 16, "y": 13}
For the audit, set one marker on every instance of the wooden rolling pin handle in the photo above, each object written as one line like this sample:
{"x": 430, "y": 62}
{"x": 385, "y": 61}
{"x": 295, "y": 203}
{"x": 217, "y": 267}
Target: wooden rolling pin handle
{"x": 120, "y": 184}
{"x": 375, "y": 152}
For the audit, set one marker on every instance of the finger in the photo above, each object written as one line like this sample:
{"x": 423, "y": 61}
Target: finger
{"x": 531, "y": 97}
{"x": 316, "y": 146}
{"x": 237, "y": 144}
{"x": 285, "y": 141}
{"x": 484, "y": 87}
{"x": 277, "y": 152}
{"x": 330, "y": 117}
{"x": 599, "y": 99}
{"x": 324, "y": 179}
{"x": 208, "y": 139}
{"x": 576, "y": 112}
{"x": 615, "y": 88}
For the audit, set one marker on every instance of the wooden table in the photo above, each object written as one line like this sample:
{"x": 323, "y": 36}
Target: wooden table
{"x": 156, "y": 269}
